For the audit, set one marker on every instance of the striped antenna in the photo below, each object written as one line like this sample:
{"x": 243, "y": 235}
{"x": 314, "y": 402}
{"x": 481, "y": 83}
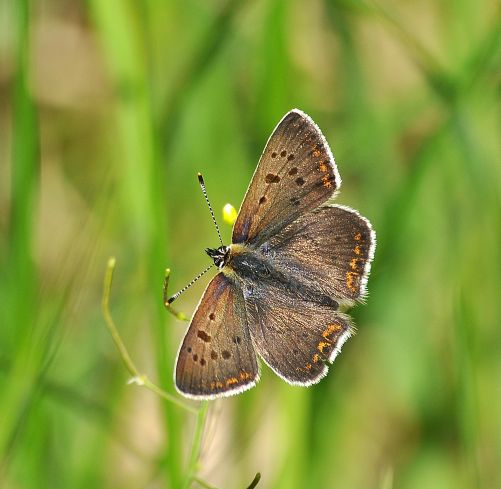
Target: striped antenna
{"x": 172, "y": 298}
{"x": 204, "y": 190}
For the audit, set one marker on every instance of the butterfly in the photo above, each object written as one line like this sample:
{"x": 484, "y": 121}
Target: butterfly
{"x": 294, "y": 260}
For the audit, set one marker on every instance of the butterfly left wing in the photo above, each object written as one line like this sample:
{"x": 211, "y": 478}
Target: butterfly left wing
{"x": 296, "y": 336}
{"x": 296, "y": 173}
{"x": 217, "y": 357}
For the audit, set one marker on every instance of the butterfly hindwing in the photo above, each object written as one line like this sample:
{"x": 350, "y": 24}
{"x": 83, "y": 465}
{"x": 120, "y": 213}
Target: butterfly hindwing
{"x": 296, "y": 173}
{"x": 217, "y": 357}
{"x": 329, "y": 250}
{"x": 295, "y": 336}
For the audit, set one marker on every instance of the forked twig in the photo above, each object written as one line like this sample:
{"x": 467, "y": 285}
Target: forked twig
{"x": 136, "y": 377}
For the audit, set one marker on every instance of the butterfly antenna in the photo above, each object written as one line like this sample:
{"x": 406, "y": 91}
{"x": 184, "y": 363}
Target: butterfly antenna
{"x": 169, "y": 300}
{"x": 204, "y": 190}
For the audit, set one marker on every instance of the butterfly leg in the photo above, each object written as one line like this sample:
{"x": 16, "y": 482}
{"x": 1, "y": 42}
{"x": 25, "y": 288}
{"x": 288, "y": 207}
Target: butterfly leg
{"x": 169, "y": 300}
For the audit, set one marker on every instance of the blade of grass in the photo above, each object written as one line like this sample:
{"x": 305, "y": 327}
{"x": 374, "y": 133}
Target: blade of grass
{"x": 196, "y": 444}
{"x": 211, "y": 42}
{"x": 20, "y": 270}
{"x": 118, "y": 24}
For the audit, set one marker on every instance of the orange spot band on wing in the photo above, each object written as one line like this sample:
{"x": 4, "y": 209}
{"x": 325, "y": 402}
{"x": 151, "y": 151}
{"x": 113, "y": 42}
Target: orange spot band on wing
{"x": 216, "y": 385}
{"x": 331, "y": 328}
{"x": 350, "y": 281}
{"x": 354, "y": 263}
{"x": 326, "y": 181}
{"x": 245, "y": 375}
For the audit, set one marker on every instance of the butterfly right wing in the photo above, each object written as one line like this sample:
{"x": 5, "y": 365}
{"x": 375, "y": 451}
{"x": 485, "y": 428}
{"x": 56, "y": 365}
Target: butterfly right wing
{"x": 295, "y": 335}
{"x": 217, "y": 357}
{"x": 329, "y": 250}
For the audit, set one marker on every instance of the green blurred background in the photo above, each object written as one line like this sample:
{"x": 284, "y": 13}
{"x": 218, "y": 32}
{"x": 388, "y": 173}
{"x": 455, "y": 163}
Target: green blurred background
{"x": 107, "y": 111}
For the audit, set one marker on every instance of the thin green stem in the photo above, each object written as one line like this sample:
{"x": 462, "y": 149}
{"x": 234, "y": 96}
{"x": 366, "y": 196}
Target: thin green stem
{"x": 197, "y": 443}
{"x": 177, "y": 314}
{"x": 137, "y": 377}
{"x": 202, "y": 483}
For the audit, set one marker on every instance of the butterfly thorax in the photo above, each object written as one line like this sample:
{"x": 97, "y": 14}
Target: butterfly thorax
{"x": 220, "y": 255}
{"x": 247, "y": 263}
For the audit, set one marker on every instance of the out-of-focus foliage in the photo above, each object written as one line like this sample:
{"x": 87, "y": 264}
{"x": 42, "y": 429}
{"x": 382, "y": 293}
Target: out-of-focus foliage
{"x": 107, "y": 111}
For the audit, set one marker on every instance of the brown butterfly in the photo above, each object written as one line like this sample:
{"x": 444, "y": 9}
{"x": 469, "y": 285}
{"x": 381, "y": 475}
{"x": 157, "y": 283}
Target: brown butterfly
{"x": 293, "y": 260}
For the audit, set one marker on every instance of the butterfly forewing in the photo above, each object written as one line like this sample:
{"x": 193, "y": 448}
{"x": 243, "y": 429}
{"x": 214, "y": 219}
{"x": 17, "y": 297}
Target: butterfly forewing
{"x": 296, "y": 173}
{"x": 329, "y": 250}
{"x": 217, "y": 357}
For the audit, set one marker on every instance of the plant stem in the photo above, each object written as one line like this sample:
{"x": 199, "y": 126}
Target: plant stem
{"x": 137, "y": 377}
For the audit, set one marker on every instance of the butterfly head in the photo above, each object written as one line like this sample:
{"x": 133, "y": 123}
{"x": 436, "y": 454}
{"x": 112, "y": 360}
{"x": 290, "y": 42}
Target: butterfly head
{"x": 219, "y": 255}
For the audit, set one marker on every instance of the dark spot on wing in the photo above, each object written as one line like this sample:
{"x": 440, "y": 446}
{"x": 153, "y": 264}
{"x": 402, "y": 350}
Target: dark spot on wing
{"x": 293, "y": 171}
{"x": 203, "y": 336}
{"x": 262, "y": 200}
{"x": 283, "y": 153}
{"x": 202, "y": 361}
{"x": 226, "y": 354}
{"x": 300, "y": 181}
{"x": 212, "y": 316}
{"x": 213, "y": 355}
{"x": 188, "y": 349}
{"x": 274, "y": 154}
{"x": 271, "y": 178}
{"x": 195, "y": 357}
{"x": 290, "y": 157}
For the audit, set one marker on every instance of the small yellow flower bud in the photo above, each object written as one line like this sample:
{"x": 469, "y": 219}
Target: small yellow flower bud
{"x": 229, "y": 214}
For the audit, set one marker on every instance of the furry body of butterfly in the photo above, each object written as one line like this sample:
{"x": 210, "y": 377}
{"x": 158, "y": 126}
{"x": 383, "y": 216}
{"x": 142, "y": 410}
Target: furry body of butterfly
{"x": 294, "y": 259}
